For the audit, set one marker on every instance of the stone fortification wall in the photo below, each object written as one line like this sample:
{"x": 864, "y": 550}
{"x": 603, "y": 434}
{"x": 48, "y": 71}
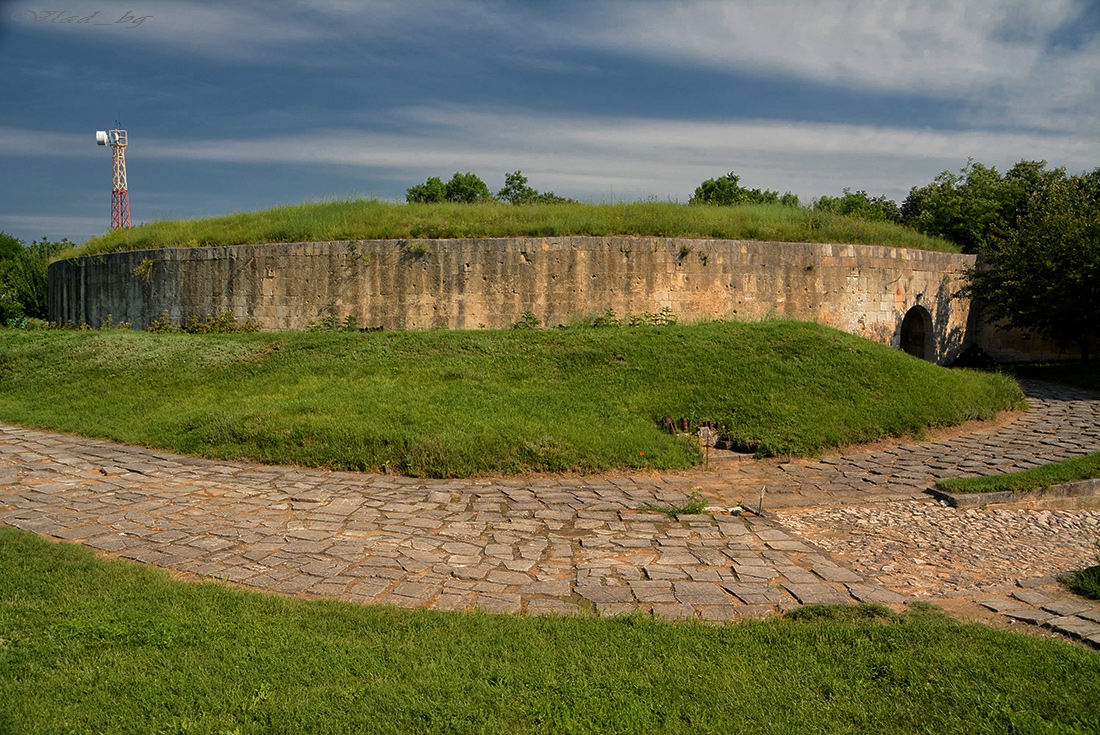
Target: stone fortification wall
{"x": 471, "y": 283}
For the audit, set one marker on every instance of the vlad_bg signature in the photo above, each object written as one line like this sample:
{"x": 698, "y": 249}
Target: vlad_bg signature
{"x": 128, "y": 19}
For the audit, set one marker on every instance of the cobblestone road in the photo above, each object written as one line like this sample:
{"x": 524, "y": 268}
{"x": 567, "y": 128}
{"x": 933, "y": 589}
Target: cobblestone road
{"x": 841, "y": 528}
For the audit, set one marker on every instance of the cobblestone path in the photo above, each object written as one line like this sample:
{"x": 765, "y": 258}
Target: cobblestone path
{"x": 841, "y": 528}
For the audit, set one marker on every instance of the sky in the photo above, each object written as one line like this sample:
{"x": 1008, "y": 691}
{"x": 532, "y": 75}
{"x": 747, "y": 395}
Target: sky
{"x": 236, "y": 106}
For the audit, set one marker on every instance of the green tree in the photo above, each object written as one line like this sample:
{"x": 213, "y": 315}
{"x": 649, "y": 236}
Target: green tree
{"x": 516, "y": 191}
{"x": 859, "y": 205}
{"x": 24, "y": 277}
{"x": 464, "y": 188}
{"x": 727, "y": 191}
{"x": 1044, "y": 273}
{"x": 467, "y": 188}
{"x": 975, "y": 207}
{"x": 10, "y": 246}
{"x": 431, "y": 191}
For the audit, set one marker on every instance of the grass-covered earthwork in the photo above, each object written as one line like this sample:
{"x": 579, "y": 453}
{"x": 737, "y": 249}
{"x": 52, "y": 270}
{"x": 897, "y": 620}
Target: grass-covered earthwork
{"x": 1036, "y": 478}
{"x": 371, "y": 219}
{"x": 460, "y": 403}
{"x": 103, "y": 646}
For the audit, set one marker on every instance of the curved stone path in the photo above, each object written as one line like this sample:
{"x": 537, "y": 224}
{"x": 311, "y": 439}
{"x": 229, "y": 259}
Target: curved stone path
{"x": 841, "y": 528}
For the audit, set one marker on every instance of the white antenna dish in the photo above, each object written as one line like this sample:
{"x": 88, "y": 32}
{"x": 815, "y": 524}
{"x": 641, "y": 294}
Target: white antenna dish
{"x": 101, "y": 137}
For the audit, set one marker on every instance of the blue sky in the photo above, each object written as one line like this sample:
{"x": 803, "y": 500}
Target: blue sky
{"x": 235, "y": 106}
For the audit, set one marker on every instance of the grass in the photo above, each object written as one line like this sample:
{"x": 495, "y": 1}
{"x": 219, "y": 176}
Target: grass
{"x": 1070, "y": 373}
{"x": 694, "y": 504}
{"x": 371, "y": 219}
{"x": 1084, "y": 582}
{"x": 462, "y": 403}
{"x": 90, "y": 645}
{"x": 1036, "y": 478}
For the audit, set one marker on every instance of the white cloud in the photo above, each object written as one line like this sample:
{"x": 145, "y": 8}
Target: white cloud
{"x": 991, "y": 55}
{"x": 585, "y": 156}
{"x": 996, "y": 60}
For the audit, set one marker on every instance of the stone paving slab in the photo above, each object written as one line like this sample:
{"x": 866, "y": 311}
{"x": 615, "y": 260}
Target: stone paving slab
{"x": 1067, "y": 607}
{"x": 1029, "y": 615}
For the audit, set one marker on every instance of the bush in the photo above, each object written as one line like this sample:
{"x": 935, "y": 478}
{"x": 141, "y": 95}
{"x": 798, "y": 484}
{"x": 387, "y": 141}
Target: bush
{"x": 727, "y": 192}
{"x": 516, "y": 191}
{"x": 431, "y": 191}
{"x": 465, "y": 188}
{"x": 976, "y": 207}
{"x": 24, "y": 277}
{"x": 860, "y": 206}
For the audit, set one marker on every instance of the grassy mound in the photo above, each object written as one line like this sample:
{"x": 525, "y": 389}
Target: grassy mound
{"x": 369, "y": 220}
{"x": 463, "y": 403}
{"x": 104, "y": 646}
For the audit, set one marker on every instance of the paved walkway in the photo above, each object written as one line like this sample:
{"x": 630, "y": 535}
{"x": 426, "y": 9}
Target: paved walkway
{"x": 852, "y": 527}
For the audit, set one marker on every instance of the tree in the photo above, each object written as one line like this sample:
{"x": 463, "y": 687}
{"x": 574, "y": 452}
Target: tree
{"x": 1044, "y": 273}
{"x": 464, "y": 188}
{"x": 975, "y": 207}
{"x": 516, "y": 191}
{"x": 431, "y": 191}
{"x": 860, "y": 206}
{"x": 726, "y": 191}
{"x": 467, "y": 188}
{"x": 24, "y": 277}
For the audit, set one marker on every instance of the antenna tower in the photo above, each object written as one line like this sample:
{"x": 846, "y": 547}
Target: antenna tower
{"x": 120, "y": 195}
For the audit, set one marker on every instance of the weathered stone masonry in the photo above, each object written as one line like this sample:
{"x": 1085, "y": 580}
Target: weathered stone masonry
{"x": 470, "y": 283}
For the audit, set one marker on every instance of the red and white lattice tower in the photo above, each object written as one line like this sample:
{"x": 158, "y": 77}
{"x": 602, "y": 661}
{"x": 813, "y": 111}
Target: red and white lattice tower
{"x": 120, "y": 195}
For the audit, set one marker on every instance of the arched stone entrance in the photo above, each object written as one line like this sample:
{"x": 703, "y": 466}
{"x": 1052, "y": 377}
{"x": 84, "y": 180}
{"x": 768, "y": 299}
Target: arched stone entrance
{"x": 916, "y": 333}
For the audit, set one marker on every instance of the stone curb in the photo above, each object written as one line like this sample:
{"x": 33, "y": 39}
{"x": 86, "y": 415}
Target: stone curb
{"x": 1079, "y": 489}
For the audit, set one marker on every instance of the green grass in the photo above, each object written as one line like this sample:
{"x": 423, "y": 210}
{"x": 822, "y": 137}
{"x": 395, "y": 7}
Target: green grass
{"x": 370, "y": 219}
{"x": 460, "y": 403}
{"x": 1070, "y": 373}
{"x": 1036, "y": 478}
{"x": 94, "y": 646}
{"x": 1085, "y": 582}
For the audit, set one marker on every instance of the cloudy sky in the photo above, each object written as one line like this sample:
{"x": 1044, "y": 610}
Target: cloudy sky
{"x": 240, "y": 105}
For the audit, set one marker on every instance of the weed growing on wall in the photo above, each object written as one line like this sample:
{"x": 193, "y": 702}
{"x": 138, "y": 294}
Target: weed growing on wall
{"x": 226, "y": 323}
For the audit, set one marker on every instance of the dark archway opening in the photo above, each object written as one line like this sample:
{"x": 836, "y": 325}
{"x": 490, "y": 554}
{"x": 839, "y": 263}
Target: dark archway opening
{"x": 916, "y": 329}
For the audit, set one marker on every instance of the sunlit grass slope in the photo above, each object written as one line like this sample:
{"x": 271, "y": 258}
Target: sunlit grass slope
{"x": 95, "y": 646}
{"x": 370, "y": 219}
{"x": 472, "y": 402}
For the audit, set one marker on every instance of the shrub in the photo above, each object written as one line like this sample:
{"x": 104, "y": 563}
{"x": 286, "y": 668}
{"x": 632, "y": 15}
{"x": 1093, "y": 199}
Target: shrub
{"x": 431, "y": 191}
{"x": 860, "y": 206}
{"x": 467, "y": 188}
{"x": 516, "y": 191}
{"x": 24, "y": 276}
{"x": 727, "y": 192}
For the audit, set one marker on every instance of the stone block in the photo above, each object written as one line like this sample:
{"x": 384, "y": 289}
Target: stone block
{"x": 812, "y": 594}
{"x": 700, "y": 593}
{"x": 1067, "y": 607}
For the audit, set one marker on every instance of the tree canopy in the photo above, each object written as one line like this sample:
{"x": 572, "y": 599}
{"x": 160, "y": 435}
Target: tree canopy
{"x": 467, "y": 188}
{"x": 976, "y": 207}
{"x": 516, "y": 191}
{"x": 727, "y": 191}
{"x": 1041, "y": 265}
{"x": 24, "y": 276}
{"x": 860, "y": 206}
